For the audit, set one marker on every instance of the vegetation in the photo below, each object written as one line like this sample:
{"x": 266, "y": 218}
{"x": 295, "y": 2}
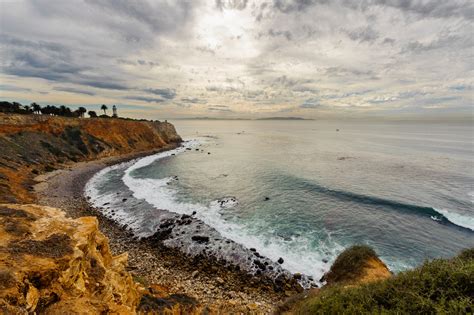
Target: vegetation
{"x": 104, "y": 108}
{"x": 350, "y": 264}
{"x": 34, "y": 108}
{"x": 440, "y": 286}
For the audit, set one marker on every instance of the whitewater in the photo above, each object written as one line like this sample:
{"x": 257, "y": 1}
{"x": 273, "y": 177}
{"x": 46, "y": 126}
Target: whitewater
{"x": 304, "y": 206}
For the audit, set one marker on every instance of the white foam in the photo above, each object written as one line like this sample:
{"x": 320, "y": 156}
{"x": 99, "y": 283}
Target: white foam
{"x": 458, "y": 219}
{"x": 163, "y": 196}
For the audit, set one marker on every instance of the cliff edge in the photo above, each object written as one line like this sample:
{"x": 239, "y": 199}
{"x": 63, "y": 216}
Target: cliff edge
{"x": 53, "y": 264}
{"x": 33, "y": 144}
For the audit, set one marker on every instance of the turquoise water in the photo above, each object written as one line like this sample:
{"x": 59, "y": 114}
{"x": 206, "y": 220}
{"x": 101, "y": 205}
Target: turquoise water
{"x": 305, "y": 191}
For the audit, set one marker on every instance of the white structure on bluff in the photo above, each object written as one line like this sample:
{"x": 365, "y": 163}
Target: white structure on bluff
{"x": 114, "y": 110}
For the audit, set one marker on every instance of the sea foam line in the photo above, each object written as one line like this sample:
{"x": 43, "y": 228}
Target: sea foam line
{"x": 457, "y": 219}
{"x": 158, "y": 193}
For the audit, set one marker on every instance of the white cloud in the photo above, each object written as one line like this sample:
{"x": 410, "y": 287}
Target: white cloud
{"x": 255, "y": 57}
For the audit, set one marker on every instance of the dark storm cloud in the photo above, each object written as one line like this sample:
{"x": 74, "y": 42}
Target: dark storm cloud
{"x": 289, "y": 82}
{"x": 139, "y": 62}
{"x": 73, "y": 90}
{"x": 434, "y": 8}
{"x": 273, "y": 33}
{"x": 47, "y": 60}
{"x": 193, "y": 100}
{"x": 231, "y": 4}
{"x": 365, "y": 34}
{"x": 444, "y": 41}
{"x": 205, "y": 49}
{"x": 6, "y": 87}
{"x": 345, "y": 72}
{"x": 221, "y": 89}
{"x": 158, "y": 16}
{"x": 296, "y": 5}
{"x": 310, "y": 103}
{"x": 220, "y": 108}
{"x": 144, "y": 99}
{"x": 165, "y": 93}
{"x": 103, "y": 83}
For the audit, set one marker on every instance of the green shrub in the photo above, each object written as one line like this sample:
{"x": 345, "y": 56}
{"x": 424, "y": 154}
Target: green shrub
{"x": 439, "y": 286}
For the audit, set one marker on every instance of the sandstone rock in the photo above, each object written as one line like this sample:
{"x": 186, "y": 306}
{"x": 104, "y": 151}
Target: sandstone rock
{"x": 356, "y": 265}
{"x": 56, "y": 264}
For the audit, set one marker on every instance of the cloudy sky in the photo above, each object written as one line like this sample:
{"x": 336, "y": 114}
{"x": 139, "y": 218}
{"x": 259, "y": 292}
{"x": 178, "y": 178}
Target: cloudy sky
{"x": 241, "y": 58}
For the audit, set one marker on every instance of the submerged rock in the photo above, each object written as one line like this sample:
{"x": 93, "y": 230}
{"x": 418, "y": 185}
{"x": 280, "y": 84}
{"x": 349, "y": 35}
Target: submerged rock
{"x": 200, "y": 239}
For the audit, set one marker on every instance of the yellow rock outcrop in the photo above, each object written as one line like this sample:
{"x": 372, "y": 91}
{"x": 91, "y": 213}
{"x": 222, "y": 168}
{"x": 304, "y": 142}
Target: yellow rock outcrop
{"x": 56, "y": 265}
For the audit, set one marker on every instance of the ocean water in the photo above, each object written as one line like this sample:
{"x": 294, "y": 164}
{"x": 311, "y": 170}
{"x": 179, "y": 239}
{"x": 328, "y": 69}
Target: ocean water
{"x": 305, "y": 190}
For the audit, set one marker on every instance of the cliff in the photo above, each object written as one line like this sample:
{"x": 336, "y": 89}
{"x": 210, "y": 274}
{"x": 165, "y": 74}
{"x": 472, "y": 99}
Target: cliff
{"x": 32, "y": 144}
{"x": 50, "y": 264}
{"x": 53, "y": 264}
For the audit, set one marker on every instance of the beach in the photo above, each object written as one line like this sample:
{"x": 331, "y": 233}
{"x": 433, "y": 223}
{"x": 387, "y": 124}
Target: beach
{"x": 210, "y": 282}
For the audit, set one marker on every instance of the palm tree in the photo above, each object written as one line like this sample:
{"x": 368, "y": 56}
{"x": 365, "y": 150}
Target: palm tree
{"x": 82, "y": 111}
{"x": 36, "y": 108}
{"x": 104, "y": 108}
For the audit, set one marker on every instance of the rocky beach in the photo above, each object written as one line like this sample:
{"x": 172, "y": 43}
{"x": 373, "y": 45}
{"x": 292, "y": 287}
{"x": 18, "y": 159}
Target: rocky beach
{"x": 48, "y": 161}
{"x": 60, "y": 253}
{"x": 211, "y": 283}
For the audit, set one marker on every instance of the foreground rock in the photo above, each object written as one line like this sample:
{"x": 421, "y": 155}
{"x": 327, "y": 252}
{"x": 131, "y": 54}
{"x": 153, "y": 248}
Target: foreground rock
{"x": 53, "y": 264}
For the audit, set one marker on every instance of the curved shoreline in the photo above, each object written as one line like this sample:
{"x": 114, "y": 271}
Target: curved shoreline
{"x": 210, "y": 281}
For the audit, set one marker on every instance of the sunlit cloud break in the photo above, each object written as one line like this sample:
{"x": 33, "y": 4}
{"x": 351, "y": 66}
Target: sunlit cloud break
{"x": 242, "y": 59}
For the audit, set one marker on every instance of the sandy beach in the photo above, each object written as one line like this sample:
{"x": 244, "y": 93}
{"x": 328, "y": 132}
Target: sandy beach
{"x": 151, "y": 263}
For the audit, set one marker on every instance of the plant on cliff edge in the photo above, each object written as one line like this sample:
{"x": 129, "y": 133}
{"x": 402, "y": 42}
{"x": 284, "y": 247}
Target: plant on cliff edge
{"x": 104, "y": 108}
{"x": 440, "y": 286}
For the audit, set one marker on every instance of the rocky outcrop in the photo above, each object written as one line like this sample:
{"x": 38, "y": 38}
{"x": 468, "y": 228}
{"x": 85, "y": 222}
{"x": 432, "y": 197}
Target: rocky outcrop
{"x": 32, "y": 144}
{"x": 55, "y": 265}
{"x": 357, "y": 265}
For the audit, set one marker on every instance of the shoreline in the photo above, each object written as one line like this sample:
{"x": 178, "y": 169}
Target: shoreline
{"x": 209, "y": 281}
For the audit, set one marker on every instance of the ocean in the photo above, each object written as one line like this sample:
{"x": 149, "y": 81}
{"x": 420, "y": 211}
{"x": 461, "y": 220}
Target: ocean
{"x": 303, "y": 190}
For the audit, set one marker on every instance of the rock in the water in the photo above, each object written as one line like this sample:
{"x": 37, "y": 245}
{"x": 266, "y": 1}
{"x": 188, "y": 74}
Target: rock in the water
{"x": 200, "y": 239}
{"x": 280, "y": 261}
{"x": 297, "y": 276}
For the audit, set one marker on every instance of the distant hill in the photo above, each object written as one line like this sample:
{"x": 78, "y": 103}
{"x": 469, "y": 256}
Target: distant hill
{"x": 283, "y": 118}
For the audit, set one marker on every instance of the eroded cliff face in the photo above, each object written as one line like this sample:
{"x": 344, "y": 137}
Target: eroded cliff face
{"x": 56, "y": 265}
{"x": 32, "y": 144}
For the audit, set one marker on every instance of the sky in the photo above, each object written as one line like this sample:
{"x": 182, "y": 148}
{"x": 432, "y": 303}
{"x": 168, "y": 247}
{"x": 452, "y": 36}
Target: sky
{"x": 242, "y": 58}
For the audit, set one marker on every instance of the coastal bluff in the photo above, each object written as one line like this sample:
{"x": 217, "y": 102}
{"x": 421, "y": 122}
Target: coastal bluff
{"x": 53, "y": 264}
{"x": 34, "y": 144}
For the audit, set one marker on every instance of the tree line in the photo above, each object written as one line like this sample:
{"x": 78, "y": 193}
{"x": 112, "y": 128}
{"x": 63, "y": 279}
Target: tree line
{"x": 34, "y": 108}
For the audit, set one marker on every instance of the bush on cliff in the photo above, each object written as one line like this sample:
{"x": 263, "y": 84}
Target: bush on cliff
{"x": 350, "y": 264}
{"x": 443, "y": 286}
